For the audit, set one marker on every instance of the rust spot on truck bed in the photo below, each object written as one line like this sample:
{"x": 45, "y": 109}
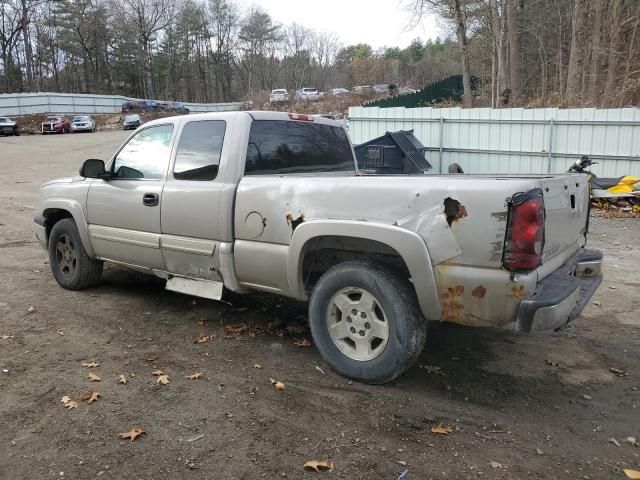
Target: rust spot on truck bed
{"x": 294, "y": 222}
{"x": 479, "y": 292}
{"x": 452, "y": 307}
{"x": 519, "y": 292}
{"x": 453, "y": 210}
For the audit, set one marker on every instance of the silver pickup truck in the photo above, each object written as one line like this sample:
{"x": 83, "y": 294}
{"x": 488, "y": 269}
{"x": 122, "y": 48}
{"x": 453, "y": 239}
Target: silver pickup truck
{"x": 275, "y": 202}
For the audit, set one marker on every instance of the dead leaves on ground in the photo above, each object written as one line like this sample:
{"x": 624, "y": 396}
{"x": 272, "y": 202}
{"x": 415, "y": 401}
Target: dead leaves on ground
{"x": 93, "y": 377}
{"x": 257, "y": 365}
{"x": 90, "y": 364}
{"x": 194, "y": 376}
{"x": 276, "y": 328}
{"x": 6, "y": 337}
{"x": 319, "y": 465}
{"x": 432, "y": 370}
{"x": 134, "y": 433}
{"x": 151, "y": 358}
{"x": 633, "y": 474}
{"x": 157, "y": 373}
{"x": 442, "y": 429}
{"x": 302, "y": 343}
{"x": 122, "y": 379}
{"x": 279, "y": 386}
{"x": 202, "y": 338}
{"x": 68, "y": 403}
{"x": 163, "y": 380}
{"x": 90, "y": 397}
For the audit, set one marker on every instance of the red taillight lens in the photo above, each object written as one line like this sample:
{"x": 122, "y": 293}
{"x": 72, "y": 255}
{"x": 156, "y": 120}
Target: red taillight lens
{"x": 525, "y": 232}
{"x": 301, "y": 117}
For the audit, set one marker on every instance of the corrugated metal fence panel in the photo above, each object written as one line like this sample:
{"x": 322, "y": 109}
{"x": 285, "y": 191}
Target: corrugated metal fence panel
{"x": 45, "y": 102}
{"x": 515, "y": 140}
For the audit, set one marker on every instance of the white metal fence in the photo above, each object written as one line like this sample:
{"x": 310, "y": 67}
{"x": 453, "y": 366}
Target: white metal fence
{"x": 514, "y": 140}
{"x": 45, "y": 102}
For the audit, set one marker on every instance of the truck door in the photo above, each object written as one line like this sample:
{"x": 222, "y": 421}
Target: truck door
{"x": 124, "y": 211}
{"x": 190, "y": 218}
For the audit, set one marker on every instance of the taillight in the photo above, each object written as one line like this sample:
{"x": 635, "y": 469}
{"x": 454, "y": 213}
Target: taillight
{"x": 301, "y": 117}
{"x": 525, "y": 231}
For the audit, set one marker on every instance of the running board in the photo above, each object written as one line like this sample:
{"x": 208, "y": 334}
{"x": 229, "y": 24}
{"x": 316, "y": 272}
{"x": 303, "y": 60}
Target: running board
{"x": 199, "y": 288}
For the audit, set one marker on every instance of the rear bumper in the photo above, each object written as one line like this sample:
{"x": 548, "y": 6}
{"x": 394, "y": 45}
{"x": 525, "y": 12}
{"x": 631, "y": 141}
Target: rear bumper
{"x": 562, "y": 296}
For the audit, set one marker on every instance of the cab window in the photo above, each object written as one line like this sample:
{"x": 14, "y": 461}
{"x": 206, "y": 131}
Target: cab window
{"x": 146, "y": 155}
{"x": 198, "y": 155}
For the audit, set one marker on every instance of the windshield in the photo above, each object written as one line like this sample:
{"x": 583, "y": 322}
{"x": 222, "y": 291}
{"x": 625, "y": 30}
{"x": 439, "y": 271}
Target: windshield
{"x": 131, "y": 118}
{"x": 4, "y": 120}
{"x": 81, "y": 119}
{"x": 279, "y": 92}
{"x": 309, "y": 90}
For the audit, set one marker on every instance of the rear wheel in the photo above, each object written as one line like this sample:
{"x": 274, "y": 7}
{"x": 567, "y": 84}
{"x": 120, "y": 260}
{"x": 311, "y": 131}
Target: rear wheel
{"x": 366, "y": 322}
{"x": 72, "y": 268}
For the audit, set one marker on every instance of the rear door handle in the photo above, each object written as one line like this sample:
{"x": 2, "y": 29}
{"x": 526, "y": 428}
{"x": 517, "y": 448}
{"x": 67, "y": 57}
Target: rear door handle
{"x": 151, "y": 199}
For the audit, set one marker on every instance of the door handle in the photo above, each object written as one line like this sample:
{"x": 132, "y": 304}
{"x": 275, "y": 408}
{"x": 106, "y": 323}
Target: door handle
{"x": 151, "y": 199}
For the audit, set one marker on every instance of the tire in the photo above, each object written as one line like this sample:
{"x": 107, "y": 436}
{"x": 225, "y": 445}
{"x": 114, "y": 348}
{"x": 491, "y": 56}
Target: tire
{"x": 394, "y": 313}
{"x": 72, "y": 268}
{"x": 17, "y": 133}
{"x": 455, "y": 168}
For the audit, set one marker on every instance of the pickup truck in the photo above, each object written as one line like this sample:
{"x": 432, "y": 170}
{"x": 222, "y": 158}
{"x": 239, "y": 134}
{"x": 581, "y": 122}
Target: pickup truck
{"x": 274, "y": 202}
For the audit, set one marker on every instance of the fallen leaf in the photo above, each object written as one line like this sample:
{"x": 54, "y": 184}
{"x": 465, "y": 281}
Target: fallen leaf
{"x": 151, "y": 358}
{"x": 134, "y": 433}
{"x": 633, "y": 474}
{"x": 90, "y": 364}
{"x": 93, "y": 377}
{"x": 122, "y": 379}
{"x": 60, "y": 332}
{"x": 163, "y": 379}
{"x": 90, "y": 396}
{"x": 552, "y": 363}
{"x": 277, "y": 385}
{"x": 302, "y": 343}
{"x": 632, "y": 441}
{"x": 617, "y": 371}
{"x": 202, "y": 322}
{"x": 5, "y": 337}
{"x": 31, "y": 309}
{"x": 202, "y": 338}
{"x": 318, "y": 465}
{"x": 71, "y": 404}
{"x": 319, "y": 369}
{"x": 615, "y": 442}
{"x": 433, "y": 370}
{"x": 496, "y": 465}
{"x": 205, "y": 354}
{"x": 257, "y": 365}
{"x": 157, "y": 373}
{"x": 443, "y": 429}
{"x": 194, "y": 376}
{"x": 66, "y": 399}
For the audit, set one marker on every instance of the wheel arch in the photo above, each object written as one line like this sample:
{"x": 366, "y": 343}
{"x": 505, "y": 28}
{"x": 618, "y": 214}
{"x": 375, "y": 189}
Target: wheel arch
{"x": 55, "y": 210}
{"x": 372, "y": 238}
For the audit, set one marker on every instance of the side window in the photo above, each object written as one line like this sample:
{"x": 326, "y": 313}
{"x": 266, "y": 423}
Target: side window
{"x": 146, "y": 155}
{"x": 281, "y": 146}
{"x": 198, "y": 155}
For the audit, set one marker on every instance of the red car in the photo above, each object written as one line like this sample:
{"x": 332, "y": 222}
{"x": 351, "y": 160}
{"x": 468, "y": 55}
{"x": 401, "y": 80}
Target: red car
{"x": 56, "y": 124}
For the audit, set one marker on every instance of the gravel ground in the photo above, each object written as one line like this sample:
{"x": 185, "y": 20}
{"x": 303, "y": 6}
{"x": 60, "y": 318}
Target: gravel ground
{"x": 546, "y": 405}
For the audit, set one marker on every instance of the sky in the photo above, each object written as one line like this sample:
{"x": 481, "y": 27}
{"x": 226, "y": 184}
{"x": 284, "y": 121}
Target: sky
{"x": 376, "y": 22}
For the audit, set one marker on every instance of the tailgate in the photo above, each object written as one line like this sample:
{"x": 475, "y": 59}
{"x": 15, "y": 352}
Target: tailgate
{"x": 566, "y": 202}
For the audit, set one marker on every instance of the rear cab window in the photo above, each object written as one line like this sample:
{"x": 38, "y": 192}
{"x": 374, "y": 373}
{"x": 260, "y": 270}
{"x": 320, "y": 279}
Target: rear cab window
{"x": 279, "y": 147}
{"x": 199, "y": 150}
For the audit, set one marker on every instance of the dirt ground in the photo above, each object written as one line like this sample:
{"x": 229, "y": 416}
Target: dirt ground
{"x": 544, "y": 405}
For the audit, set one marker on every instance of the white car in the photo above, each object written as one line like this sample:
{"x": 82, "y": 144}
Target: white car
{"x": 83, "y": 123}
{"x": 308, "y": 94}
{"x": 279, "y": 95}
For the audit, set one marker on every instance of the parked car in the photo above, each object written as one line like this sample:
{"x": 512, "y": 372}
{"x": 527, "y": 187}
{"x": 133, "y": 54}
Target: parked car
{"x": 375, "y": 256}
{"x": 178, "y": 107}
{"x": 131, "y": 122}
{"x": 338, "y": 92}
{"x": 9, "y": 127}
{"x": 381, "y": 88}
{"x": 309, "y": 93}
{"x": 83, "y": 123}
{"x": 56, "y": 124}
{"x": 278, "y": 95}
{"x": 362, "y": 90}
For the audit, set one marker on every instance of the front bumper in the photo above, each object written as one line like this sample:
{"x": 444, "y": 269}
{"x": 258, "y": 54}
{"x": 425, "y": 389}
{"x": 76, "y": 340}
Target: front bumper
{"x": 562, "y": 296}
{"x": 41, "y": 230}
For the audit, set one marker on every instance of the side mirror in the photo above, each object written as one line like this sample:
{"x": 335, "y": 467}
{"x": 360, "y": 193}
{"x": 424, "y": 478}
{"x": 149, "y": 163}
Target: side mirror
{"x": 93, "y": 168}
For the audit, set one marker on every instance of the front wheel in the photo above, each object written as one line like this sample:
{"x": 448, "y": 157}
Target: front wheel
{"x": 72, "y": 268}
{"x": 366, "y": 322}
